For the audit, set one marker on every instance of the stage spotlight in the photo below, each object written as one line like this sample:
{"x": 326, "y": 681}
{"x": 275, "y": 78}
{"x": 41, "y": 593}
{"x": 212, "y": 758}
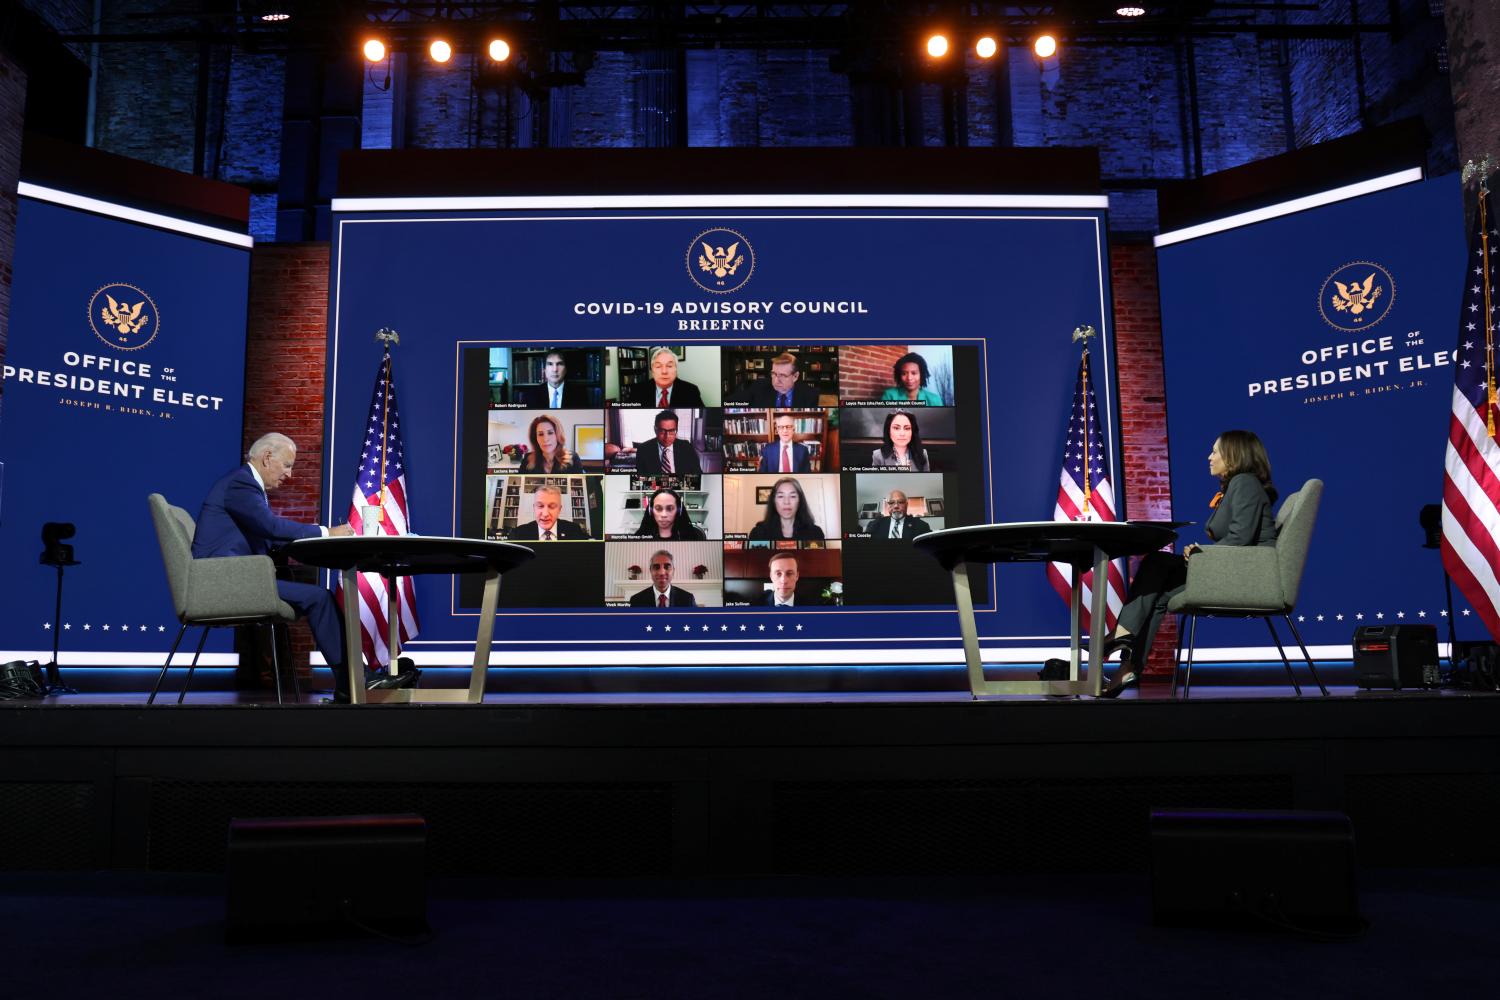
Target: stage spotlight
{"x": 275, "y": 15}
{"x": 986, "y": 47}
{"x": 499, "y": 49}
{"x": 1045, "y": 46}
{"x": 374, "y": 50}
{"x": 440, "y": 51}
{"x": 937, "y": 45}
{"x": 1130, "y": 11}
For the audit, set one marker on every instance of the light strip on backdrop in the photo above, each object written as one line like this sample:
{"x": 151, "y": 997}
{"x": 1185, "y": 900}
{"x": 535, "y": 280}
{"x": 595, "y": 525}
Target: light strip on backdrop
{"x": 1026, "y": 656}
{"x": 115, "y": 211}
{"x": 86, "y": 658}
{"x": 721, "y": 201}
{"x": 1289, "y": 207}
{"x": 821, "y": 657}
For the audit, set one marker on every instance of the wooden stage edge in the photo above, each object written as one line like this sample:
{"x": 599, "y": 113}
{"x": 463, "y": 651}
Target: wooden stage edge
{"x": 710, "y": 785}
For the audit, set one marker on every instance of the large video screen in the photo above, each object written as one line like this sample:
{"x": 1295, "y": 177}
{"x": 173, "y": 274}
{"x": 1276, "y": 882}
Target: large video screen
{"x": 755, "y": 482}
{"x": 721, "y": 430}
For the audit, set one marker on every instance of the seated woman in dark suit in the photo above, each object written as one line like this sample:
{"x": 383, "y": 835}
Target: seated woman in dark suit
{"x": 903, "y": 444}
{"x": 666, "y": 516}
{"x": 1241, "y": 516}
{"x": 548, "y": 452}
{"x": 786, "y": 515}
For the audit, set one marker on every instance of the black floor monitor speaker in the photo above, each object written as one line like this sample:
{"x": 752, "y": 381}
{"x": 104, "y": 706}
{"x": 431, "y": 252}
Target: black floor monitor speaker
{"x": 1396, "y": 656}
{"x": 1292, "y": 870}
{"x": 325, "y": 876}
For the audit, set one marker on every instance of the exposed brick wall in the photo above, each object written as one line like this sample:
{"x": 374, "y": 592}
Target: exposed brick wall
{"x": 66, "y": 17}
{"x": 865, "y": 372}
{"x": 147, "y": 94}
{"x": 1143, "y": 409}
{"x": 1402, "y": 77}
{"x": 441, "y": 104}
{"x": 251, "y": 150}
{"x": 1240, "y": 116}
{"x": 1130, "y": 102}
{"x": 286, "y": 340}
{"x": 603, "y": 112}
{"x": 1400, "y": 70}
{"x": 1473, "y": 32}
{"x": 377, "y": 125}
{"x": 800, "y": 101}
{"x": 723, "y": 94}
{"x": 1325, "y": 101}
{"x": 12, "y": 108}
{"x": 980, "y": 99}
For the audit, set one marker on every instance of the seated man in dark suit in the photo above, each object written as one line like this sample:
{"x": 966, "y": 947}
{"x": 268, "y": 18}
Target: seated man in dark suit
{"x": 665, "y": 388}
{"x": 784, "y": 454}
{"x": 784, "y": 577}
{"x": 236, "y": 520}
{"x": 785, "y": 388}
{"x": 546, "y": 505}
{"x": 661, "y": 593}
{"x": 896, "y": 525}
{"x": 666, "y": 455}
{"x": 554, "y": 393}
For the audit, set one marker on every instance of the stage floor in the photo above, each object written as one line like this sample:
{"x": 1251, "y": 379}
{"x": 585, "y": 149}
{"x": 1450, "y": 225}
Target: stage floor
{"x": 765, "y": 684}
{"x": 715, "y": 783}
{"x": 1151, "y": 692}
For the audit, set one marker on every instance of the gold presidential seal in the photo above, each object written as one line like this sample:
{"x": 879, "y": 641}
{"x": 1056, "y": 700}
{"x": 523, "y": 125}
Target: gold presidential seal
{"x": 1356, "y": 296}
{"x": 124, "y": 316}
{"x": 720, "y": 261}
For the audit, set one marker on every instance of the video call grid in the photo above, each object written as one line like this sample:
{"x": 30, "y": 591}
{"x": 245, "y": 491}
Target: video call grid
{"x": 774, "y": 465}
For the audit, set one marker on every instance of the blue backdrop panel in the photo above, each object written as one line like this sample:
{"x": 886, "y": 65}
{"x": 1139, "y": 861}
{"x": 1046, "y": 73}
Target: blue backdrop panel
{"x": 99, "y": 414}
{"x": 1358, "y": 396}
{"x": 1007, "y": 285}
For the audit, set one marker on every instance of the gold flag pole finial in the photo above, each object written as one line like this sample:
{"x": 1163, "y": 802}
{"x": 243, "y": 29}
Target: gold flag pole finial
{"x": 386, "y": 336}
{"x": 1085, "y": 333}
{"x": 1481, "y": 170}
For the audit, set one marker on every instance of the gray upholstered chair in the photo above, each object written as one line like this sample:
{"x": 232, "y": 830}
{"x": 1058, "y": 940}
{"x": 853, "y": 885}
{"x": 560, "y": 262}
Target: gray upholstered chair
{"x": 1252, "y": 581}
{"x": 214, "y": 593}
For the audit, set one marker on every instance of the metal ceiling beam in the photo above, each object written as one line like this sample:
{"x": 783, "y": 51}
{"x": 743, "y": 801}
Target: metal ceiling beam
{"x": 562, "y": 26}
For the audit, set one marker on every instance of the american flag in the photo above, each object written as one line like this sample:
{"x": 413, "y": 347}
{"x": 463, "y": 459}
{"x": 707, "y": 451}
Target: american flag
{"x": 1471, "y": 483}
{"x": 1084, "y": 494}
{"x": 381, "y": 482}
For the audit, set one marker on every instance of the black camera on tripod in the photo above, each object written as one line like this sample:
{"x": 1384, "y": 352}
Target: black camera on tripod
{"x": 54, "y": 552}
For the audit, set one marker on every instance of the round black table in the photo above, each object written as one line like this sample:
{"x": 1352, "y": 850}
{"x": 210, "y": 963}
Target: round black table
{"x": 1083, "y": 545}
{"x": 394, "y": 556}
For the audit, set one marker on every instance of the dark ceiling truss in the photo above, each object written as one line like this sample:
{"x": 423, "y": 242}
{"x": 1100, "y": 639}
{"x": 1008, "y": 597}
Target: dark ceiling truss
{"x": 555, "y": 26}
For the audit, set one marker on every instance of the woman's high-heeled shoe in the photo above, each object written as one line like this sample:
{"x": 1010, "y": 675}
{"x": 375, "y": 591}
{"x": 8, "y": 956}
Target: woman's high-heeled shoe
{"x": 1128, "y": 676}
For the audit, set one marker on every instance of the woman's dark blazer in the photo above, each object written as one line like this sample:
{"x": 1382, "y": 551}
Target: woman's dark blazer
{"x": 1244, "y": 516}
